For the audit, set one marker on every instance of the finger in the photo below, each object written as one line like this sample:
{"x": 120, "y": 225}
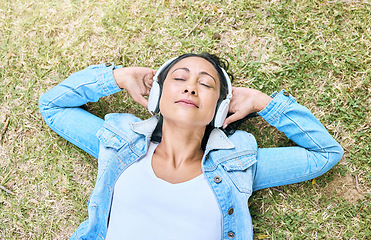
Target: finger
{"x": 141, "y": 100}
{"x": 148, "y": 80}
{"x": 148, "y": 83}
{"x": 148, "y": 91}
{"x": 232, "y": 118}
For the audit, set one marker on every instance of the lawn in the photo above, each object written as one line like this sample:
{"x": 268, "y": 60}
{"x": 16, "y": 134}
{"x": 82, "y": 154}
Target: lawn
{"x": 319, "y": 51}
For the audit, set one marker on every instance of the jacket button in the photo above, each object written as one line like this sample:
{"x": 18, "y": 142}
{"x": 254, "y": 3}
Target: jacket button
{"x": 217, "y": 179}
{"x": 286, "y": 93}
{"x": 230, "y": 211}
{"x": 231, "y": 235}
{"x": 108, "y": 64}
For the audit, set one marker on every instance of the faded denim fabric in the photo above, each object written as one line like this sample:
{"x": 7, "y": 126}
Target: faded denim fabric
{"x": 234, "y": 166}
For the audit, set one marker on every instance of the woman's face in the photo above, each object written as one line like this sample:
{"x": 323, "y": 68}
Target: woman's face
{"x": 190, "y": 92}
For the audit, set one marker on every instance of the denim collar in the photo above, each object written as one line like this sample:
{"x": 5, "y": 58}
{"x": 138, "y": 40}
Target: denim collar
{"x": 217, "y": 138}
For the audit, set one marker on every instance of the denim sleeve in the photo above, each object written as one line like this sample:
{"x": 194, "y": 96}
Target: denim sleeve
{"x": 316, "y": 153}
{"x": 61, "y": 106}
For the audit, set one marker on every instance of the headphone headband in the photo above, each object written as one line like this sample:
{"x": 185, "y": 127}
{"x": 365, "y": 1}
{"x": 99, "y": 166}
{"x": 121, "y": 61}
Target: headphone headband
{"x": 229, "y": 83}
{"x": 159, "y": 71}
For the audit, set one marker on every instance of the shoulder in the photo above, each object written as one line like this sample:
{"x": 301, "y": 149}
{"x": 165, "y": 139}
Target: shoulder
{"x": 243, "y": 140}
{"x": 240, "y": 144}
{"x": 120, "y": 120}
{"x": 118, "y": 125}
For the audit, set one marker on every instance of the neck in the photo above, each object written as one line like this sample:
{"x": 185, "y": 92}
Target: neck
{"x": 180, "y": 144}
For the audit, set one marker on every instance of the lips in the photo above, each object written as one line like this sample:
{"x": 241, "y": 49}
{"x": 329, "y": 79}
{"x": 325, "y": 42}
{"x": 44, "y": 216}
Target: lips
{"x": 187, "y": 102}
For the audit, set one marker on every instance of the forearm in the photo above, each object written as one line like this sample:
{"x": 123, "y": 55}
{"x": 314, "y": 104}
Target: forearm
{"x": 316, "y": 153}
{"x": 299, "y": 124}
{"x": 60, "y": 106}
{"x": 81, "y": 87}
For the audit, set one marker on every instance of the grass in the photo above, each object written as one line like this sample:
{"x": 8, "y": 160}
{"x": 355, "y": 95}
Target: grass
{"x": 317, "y": 50}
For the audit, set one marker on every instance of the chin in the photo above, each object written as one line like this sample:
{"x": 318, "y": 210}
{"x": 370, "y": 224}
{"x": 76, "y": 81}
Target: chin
{"x": 186, "y": 117}
{"x": 185, "y": 121}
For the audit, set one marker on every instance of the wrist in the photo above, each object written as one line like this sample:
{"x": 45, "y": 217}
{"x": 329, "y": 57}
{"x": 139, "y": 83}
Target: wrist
{"x": 261, "y": 101}
{"x": 119, "y": 77}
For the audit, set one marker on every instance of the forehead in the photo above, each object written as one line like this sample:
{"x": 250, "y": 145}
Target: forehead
{"x": 196, "y": 64}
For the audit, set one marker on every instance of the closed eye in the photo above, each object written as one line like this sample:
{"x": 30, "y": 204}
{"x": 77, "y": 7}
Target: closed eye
{"x": 206, "y": 85}
{"x": 179, "y": 79}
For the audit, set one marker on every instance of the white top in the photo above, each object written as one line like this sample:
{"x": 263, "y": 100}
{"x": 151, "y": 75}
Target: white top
{"x": 147, "y": 207}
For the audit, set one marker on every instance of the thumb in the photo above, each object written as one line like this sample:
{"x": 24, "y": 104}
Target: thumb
{"x": 232, "y": 118}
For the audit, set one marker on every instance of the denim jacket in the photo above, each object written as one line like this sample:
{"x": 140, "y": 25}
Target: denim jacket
{"x": 234, "y": 166}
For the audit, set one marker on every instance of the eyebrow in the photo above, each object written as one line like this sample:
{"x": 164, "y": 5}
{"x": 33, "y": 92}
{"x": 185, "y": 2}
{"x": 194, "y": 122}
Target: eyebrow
{"x": 187, "y": 70}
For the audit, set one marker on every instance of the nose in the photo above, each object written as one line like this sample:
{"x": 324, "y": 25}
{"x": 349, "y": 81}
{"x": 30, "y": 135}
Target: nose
{"x": 192, "y": 92}
{"x": 190, "y": 86}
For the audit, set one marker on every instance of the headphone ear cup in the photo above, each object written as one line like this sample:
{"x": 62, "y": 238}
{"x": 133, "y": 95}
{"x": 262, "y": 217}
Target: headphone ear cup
{"x": 221, "y": 113}
{"x": 154, "y": 97}
{"x": 155, "y": 93}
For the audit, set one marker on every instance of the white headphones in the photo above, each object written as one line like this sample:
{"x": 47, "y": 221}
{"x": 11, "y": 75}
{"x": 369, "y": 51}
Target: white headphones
{"x": 222, "y": 108}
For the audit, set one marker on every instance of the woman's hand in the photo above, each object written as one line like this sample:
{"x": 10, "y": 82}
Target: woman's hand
{"x": 245, "y": 101}
{"x": 137, "y": 81}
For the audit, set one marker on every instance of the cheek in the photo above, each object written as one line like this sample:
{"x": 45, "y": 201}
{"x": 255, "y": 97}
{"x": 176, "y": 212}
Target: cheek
{"x": 166, "y": 96}
{"x": 211, "y": 105}
{"x": 162, "y": 102}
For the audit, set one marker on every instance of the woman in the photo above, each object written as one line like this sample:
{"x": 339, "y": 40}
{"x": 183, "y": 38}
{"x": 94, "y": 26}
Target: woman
{"x": 176, "y": 175}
